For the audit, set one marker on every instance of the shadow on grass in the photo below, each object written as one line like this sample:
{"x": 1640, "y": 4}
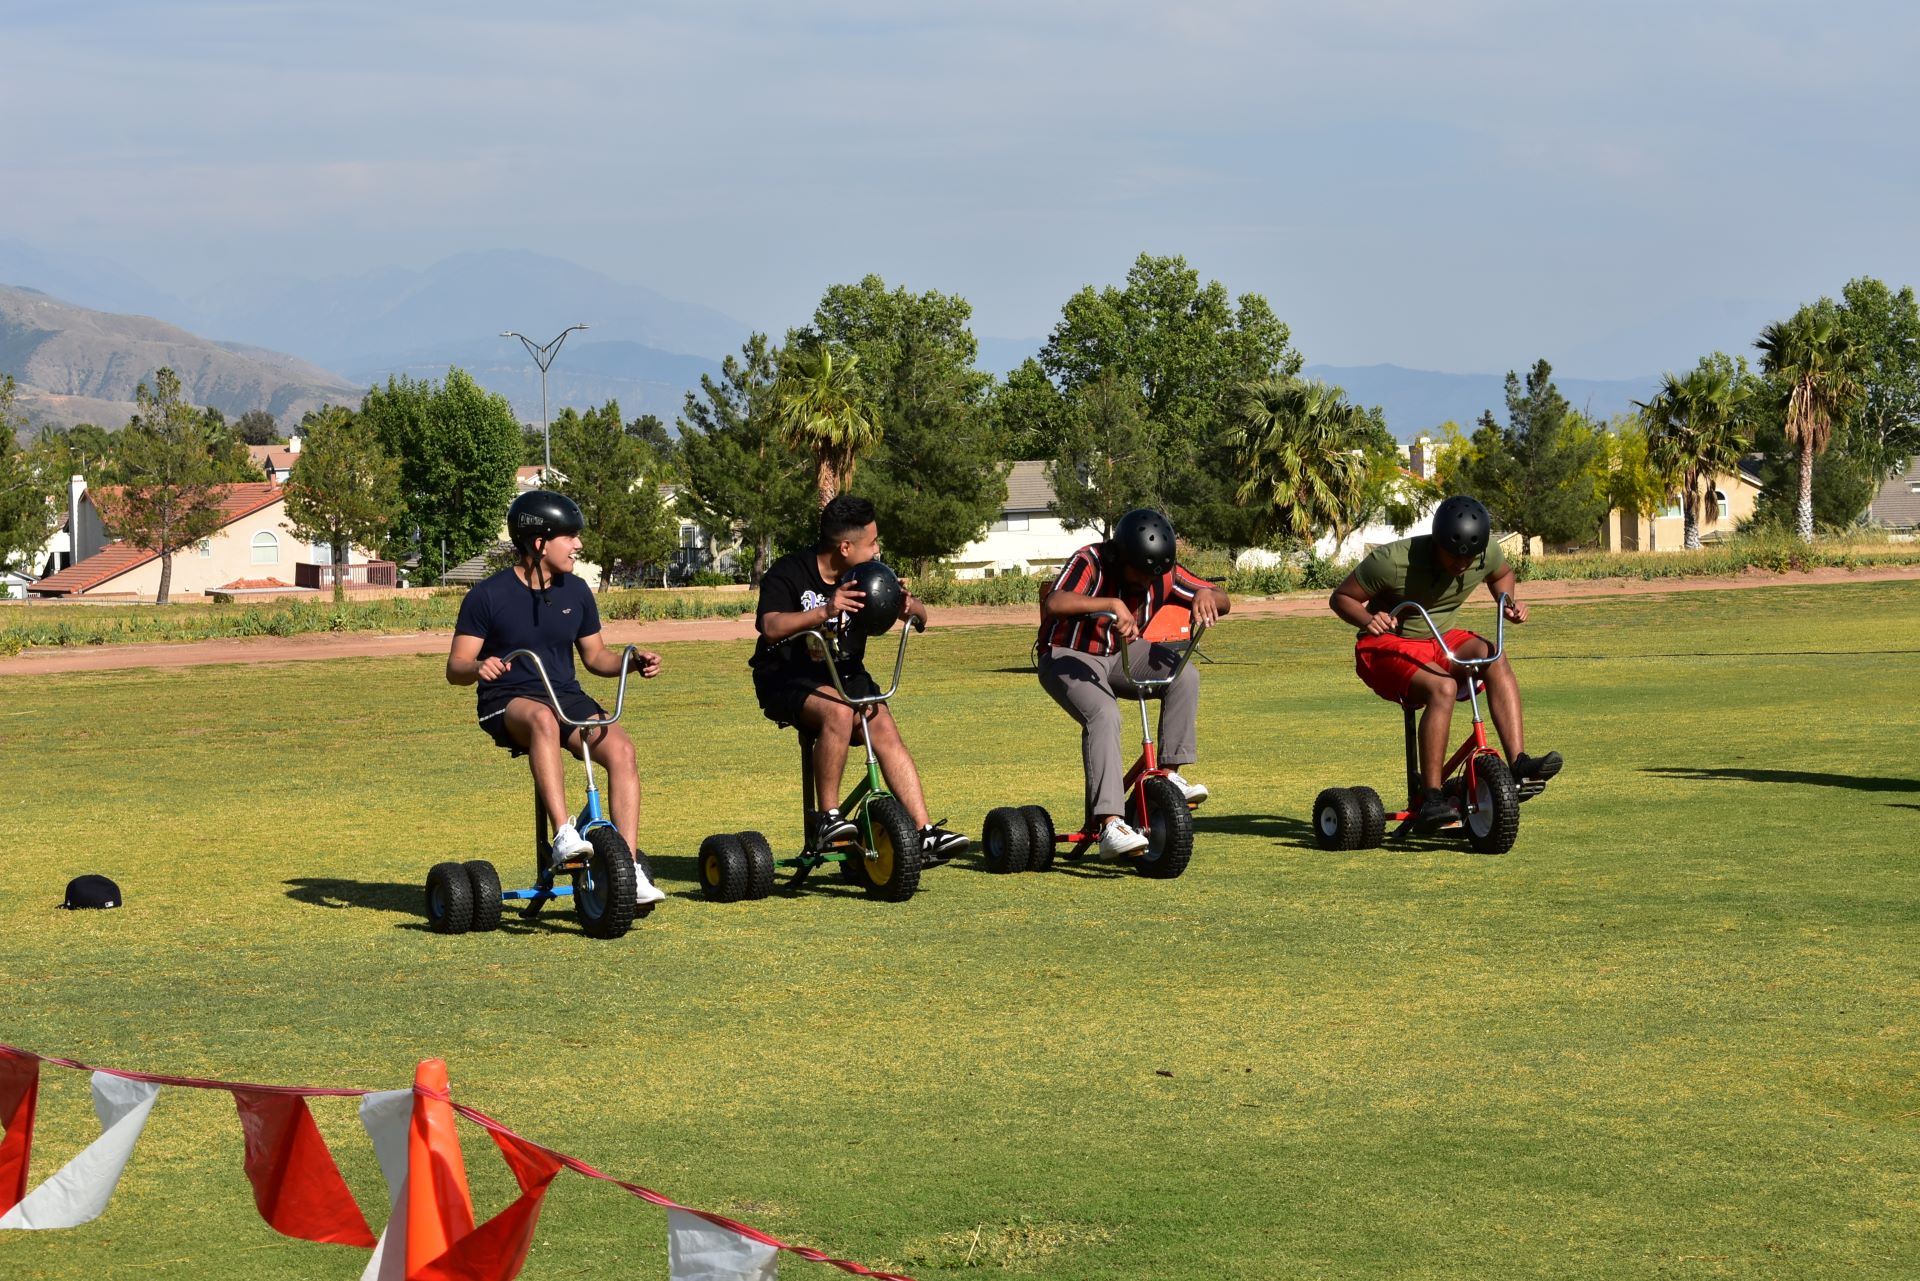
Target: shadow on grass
{"x": 1280, "y": 828}
{"x": 392, "y": 896}
{"x": 1810, "y": 778}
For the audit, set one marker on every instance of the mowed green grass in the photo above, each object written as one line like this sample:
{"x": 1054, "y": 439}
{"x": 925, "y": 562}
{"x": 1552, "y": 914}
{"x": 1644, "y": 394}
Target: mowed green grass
{"x": 1674, "y": 1033}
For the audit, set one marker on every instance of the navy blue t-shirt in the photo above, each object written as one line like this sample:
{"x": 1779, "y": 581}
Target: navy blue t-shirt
{"x": 507, "y": 615}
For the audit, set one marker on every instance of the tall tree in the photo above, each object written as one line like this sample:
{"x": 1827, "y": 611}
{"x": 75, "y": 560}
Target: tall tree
{"x": 1108, "y": 461}
{"x": 344, "y": 489}
{"x": 615, "y": 479}
{"x": 169, "y": 491}
{"x": 825, "y": 409}
{"x": 658, "y": 441}
{"x": 740, "y": 474}
{"x": 1029, "y": 413}
{"x": 1535, "y": 474}
{"x": 257, "y": 427}
{"x": 1882, "y": 434}
{"x": 1696, "y": 431}
{"x": 458, "y": 446}
{"x": 1299, "y": 449}
{"x": 1814, "y": 359}
{"x": 29, "y": 508}
{"x": 1631, "y": 477}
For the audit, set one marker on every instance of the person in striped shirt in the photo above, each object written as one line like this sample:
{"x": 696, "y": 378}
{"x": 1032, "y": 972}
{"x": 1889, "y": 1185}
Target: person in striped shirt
{"x": 1132, "y": 575}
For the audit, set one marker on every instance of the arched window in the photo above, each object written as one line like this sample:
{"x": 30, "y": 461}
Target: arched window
{"x": 1720, "y": 504}
{"x": 266, "y": 548}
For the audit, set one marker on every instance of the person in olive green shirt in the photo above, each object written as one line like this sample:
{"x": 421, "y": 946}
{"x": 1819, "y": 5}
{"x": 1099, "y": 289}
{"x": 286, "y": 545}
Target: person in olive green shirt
{"x": 1400, "y": 660}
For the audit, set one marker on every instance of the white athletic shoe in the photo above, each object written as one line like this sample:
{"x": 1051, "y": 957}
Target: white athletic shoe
{"x": 1117, "y": 840}
{"x": 644, "y": 890}
{"x": 568, "y": 845}
{"x": 1195, "y": 792}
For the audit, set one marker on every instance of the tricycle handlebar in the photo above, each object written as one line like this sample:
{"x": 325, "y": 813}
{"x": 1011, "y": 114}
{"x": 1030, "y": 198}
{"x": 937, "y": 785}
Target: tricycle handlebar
{"x": 619, "y": 700}
{"x": 1499, "y": 633}
{"x": 1126, "y": 659}
{"x": 833, "y": 665}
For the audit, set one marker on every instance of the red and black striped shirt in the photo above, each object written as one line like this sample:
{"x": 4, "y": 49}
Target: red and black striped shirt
{"x": 1095, "y": 571}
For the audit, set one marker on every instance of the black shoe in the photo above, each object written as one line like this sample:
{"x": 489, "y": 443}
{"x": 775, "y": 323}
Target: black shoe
{"x": 835, "y": 829}
{"x": 937, "y": 844}
{"x": 1540, "y": 767}
{"x": 1436, "y": 809}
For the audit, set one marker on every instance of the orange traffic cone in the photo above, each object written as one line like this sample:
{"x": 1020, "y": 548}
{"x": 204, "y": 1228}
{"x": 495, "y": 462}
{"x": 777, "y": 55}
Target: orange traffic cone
{"x": 439, "y": 1208}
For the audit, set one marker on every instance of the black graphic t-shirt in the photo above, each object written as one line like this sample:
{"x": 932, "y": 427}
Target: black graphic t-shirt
{"x": 507, "y": 615}
{"x": 791, "y": 585}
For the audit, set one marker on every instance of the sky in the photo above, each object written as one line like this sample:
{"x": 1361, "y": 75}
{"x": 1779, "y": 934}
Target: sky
{"x": 1442, "y": 184}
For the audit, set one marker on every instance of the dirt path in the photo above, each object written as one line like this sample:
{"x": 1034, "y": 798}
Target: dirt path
{"x": 286, "y": 649}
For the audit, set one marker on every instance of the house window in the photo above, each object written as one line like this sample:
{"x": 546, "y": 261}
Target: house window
{"x": 1008, "y": 523}
{"x": 266, "y": 548}
{"x": 1671, "y": 510}
{"x": 206, "y": 549}
{"x": 1720, "y": 504}
{"x": 322, "y": 553}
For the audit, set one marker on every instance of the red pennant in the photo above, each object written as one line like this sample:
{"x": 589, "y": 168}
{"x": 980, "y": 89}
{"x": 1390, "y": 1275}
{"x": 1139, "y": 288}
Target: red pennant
{"x": 295, "y": 1182}
{"x": 497, "y": 1249}
{"x": 19, "y": 1093}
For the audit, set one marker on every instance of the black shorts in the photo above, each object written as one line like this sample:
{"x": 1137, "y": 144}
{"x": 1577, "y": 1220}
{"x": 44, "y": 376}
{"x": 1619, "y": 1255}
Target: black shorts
{"x": 579, "y": 706}
{"x": 781, "y": 697}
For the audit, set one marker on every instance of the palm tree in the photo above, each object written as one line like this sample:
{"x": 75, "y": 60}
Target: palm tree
{"x": 823, "y": 408}
{"x": 1295, "y": 445}
{"x": 1814, "y": 358}
{"x": 1694, "y": 434}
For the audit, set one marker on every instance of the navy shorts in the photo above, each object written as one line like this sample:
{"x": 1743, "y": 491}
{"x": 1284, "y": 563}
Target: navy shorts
{"x": 782, "y": 697}
{"x": 577, "y": 705}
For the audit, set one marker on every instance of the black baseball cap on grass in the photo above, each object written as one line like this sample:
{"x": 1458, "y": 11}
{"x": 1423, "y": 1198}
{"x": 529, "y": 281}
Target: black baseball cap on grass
{"x": 92, "y": 891}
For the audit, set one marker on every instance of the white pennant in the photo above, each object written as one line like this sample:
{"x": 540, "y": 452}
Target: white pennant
{"x": 79, "y": 1192}
{"x": 386, "y": 1116}
{"x": 701, "y": 1251}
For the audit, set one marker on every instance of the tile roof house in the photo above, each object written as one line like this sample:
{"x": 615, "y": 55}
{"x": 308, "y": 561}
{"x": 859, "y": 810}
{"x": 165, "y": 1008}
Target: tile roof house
{"x": 276, "y": 460}
{"x": 1897, "y": 505}
{"x": 1027, "y": 538}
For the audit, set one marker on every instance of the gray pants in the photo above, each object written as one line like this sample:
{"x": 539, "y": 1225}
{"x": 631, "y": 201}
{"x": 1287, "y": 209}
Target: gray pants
{"x": 1087, "y": 684}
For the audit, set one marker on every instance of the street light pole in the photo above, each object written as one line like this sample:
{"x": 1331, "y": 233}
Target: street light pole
{"x": 543, "y": 354}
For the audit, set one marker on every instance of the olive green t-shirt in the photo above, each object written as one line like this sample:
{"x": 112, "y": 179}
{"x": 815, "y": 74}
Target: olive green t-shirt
{"x": 1408, "y": 571}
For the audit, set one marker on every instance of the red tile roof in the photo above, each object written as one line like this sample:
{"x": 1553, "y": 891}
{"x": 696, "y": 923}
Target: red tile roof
{"x": 117, "y": 558}
{"x": 254, "y": 585}
{"x": 279, "y": 457}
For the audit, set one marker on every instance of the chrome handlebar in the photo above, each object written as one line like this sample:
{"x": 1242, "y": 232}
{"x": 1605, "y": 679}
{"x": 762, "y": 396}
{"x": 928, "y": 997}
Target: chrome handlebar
{"x": 627, "y": 656}
{"x": 1499, "y": 633}
{"x": 826, "y": 648}
{"x": 1126, "y": 658}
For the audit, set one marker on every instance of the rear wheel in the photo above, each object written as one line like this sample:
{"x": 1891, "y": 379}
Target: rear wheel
{"x": 723, "y": 868}
{"x": 1003, "y": 840}
{"x": 449, "y": 899}
{"x": 1040, "y": 834}
{"x": 603, "y": 889}
{"x": 759, "y": 864}
{"x": 1337, "y": 820}
{"x": 1169, "y": 831}
{"x": 1494, "y": 823}
{"x": 486, "y": 895}
{"x": 894, "y": 869}
{"x": 1373, "y": 817}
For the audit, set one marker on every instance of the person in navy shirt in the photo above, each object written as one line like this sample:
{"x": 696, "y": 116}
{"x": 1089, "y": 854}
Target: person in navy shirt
{"x": 540, "y": 604}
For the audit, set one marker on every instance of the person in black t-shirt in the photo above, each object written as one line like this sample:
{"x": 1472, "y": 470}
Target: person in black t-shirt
{"x": 539, "y": 604}
{"x": 804, "y": 591}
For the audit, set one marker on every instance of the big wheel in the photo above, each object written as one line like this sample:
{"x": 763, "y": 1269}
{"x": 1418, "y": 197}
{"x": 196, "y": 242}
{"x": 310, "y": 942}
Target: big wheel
{"x": 759, "y": 864}
{"x": 1003, "y": 840}
{"x": 486, "y": 895}
{"x": 1494, "y": 822}
{"x": 1338, "y": 823}
{"x": 603, "y": 889}
{"x": 724, "y": 875}
{"x": 893, "y": 872}
{"x": 1040, "y": 840}
{"x": 449, "y": 899}
{"x": 1169, "y": 831}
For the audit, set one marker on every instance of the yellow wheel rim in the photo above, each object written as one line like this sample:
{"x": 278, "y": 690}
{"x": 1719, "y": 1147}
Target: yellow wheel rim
{"x": 710, "y": 868}
{"x": 880, "y": 868}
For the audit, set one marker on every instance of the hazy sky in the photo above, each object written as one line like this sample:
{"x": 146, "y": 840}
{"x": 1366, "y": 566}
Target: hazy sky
{"x": 1443, "y": 184}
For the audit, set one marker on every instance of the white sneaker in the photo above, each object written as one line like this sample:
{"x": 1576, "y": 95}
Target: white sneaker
{"x": 1195, "y": 792}
{"x": 644, "y": 890}
{"x": 1117, "y": 840}
{"x": 568, "y": 845}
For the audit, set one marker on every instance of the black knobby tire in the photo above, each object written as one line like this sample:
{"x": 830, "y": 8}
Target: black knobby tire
{"x": 603, "y": 889}
{"x": 1003, "y": 840}
{"x": 1337, "y": 820}
{"x": 895, "y": 871}
{"x": 1373, "y": 817}
{"x": 449, "y": 899}
{"x": 1169, "y": 831}
{"x": 1495, "y": 823}
{"x": 723, "y": 868}
{"x": 759, "y": 864}
{"x": 1040, "y": 843}
{"x": 486, "y": 895}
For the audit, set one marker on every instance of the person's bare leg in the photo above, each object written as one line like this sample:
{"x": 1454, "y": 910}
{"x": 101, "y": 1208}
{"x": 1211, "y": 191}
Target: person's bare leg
{"x": 613, "y": 752}
{"x": 896, "y": 762}
{"x": 831, "y": 723}
{"x": 533, "y": 726}
{"x": 1435, "y": 691}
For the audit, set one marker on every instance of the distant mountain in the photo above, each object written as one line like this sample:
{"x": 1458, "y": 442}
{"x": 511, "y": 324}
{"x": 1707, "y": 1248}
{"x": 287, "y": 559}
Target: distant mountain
{"x": 1419, "y": 400}
{"x": 643, "y": 379}
{"x": 98, "y": 283}
{"x": 78, "y": 365}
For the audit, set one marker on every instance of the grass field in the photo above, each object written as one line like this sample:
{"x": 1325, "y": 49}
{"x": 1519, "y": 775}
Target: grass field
{"x": 1674, "y": 1033}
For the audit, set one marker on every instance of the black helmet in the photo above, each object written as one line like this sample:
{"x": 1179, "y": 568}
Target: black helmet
{"x": 1144, "y": 539}
{"x": 1461, "y": 525}
{"x": 886, "y": 598}
{"x": 541, "y": 513}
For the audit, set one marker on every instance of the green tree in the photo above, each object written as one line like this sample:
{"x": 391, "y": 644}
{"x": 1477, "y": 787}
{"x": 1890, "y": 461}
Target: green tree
{"x": 740, "y": 473}
{"x": 232, "y": 464}
{"x": 825, "y": 409}
{"x": 81, "y": 450}
{"x": 344, "y": 489}
{"x": 257, "y": 427}
{"x": 1108, "y": 460}
{"x": 1535, "y": 475}
{"x": 1631, "y": 477}
{"x": 1813, "y": 358}
{"x": 1299, "y": 448}
{"x": 29, "y": 507}
{"x": 1882, "y": 434}
{"x": 1696, "y": 426}
{"x": 658, "y": 441}
{"x": 615, "y": 479}
{"x": 1030, "y": 415}
{"x": 169, "y": 491}
{"x": 458, "y": 446}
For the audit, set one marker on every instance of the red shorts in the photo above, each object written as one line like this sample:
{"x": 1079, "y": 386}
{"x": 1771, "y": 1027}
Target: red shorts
{"x": 1387, "y": 663}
